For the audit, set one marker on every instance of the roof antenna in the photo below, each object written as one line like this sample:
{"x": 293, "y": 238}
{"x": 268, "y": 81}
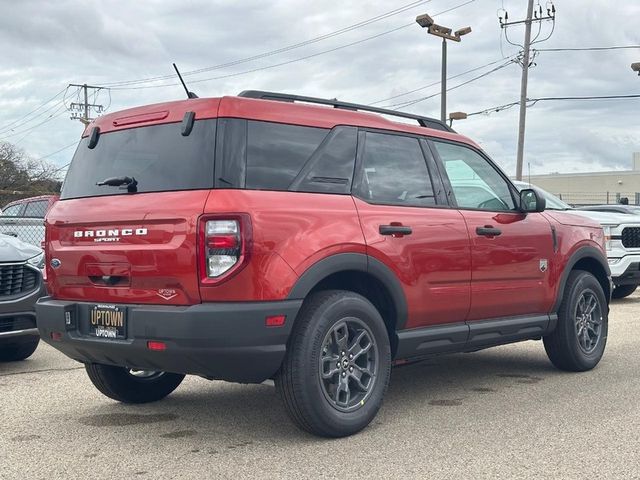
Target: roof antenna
{"x": 189, "y": 94}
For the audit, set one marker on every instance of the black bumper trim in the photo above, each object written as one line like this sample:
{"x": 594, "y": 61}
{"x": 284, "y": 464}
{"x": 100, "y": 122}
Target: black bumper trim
{"x": 631, "y": 276}
{"x": 225, "y": 341}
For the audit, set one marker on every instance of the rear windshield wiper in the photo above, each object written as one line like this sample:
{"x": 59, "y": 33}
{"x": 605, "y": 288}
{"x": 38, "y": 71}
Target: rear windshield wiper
{"x": 130, "y": 183}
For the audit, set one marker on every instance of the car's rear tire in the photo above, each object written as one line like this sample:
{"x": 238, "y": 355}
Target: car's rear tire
{"x": 622, "y": 291}
{"x": 337, "y": 367}
{"x": 132, "y": 386}
{"x": 20, "y": 350}
{"x": 578, "y": 342}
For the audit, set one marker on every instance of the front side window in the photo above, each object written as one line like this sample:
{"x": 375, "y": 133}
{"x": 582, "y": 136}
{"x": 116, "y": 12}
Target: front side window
{"x": 475, "y": 182}
{"x": 12, "y": 211}
{"x": 394, "y": 172}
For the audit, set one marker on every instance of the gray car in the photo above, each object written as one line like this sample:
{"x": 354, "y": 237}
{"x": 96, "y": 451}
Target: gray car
{"x": 20, "y": 286}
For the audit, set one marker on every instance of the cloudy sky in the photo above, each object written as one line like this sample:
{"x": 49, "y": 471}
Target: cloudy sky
{"x": 47, "y": 45}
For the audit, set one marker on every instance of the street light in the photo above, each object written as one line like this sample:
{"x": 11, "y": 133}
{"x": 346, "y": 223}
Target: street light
{"x": 636, "y": 67}
{"x": 425, "y": 21}
{"x": 456, "y": 116}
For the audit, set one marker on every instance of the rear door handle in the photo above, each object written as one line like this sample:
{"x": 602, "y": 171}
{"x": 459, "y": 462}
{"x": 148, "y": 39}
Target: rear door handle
{"x": 488, "y": 231}
{"x": 395, "y": 230}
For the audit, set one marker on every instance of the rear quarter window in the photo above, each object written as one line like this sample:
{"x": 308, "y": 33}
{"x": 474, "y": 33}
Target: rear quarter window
{"x": 272, "y": 156}
{"x": 36, "y": 209}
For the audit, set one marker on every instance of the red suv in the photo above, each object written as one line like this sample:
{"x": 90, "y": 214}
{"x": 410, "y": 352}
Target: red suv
{"x": 266, "y": 236}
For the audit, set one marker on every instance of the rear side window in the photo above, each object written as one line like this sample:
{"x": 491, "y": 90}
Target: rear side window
{"x": 271, "y": 156}
{"x": 158, "y": 157}
{"x": 36, "y": 209}
{"x": 394, "y": 172}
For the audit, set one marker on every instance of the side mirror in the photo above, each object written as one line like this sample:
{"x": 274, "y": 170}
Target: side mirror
{"x": 531, "y": 201}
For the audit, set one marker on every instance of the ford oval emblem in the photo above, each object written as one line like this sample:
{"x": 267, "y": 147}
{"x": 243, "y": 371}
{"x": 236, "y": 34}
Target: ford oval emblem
{"x": 55, "y": 263}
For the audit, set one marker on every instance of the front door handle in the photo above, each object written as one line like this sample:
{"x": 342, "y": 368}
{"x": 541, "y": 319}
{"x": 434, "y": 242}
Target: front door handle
{"x": 395, "y": 230}
{"x": 488, "y": 231}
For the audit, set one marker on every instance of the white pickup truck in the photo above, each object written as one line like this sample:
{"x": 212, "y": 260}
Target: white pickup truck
{"x": 622, "y": 236}
{"x": 24, "y": 219}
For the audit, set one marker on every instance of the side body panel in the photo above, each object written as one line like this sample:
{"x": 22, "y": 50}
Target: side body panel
{"x": 433, "y": 264}
{"x": 291, "y": 233}
{"x": 510, "y": 272}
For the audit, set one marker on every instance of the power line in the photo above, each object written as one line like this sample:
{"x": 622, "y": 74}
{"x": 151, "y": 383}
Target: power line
{"x": 57, "y": 151}
{"x": 533, "y": 101}
{"x": 33, "y": 111}
{"x": 438, "y": 82}
{"x": 585, "y": 49}
{"x": 49, "y": 118}
{"x": 287, "y": 48}
{"x": 288, "y": 62}
{"x": 422, "y": 99}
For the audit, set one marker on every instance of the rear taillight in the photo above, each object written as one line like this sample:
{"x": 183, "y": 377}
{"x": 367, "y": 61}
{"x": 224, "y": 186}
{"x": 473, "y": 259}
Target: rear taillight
{"x": 224, "y": 246}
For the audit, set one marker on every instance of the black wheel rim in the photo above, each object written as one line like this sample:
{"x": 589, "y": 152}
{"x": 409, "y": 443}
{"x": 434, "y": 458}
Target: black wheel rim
{"x": 588, "y": 321}
{"x": 348, "y": 364}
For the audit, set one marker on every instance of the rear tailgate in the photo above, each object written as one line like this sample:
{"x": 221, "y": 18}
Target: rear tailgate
{"x": 137, "y": 248}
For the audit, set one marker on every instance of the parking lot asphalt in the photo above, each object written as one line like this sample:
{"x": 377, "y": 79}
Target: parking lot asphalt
{"x": 499, "y": 413}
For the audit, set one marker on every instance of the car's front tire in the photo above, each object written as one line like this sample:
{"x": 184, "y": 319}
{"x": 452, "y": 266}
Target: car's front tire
{"x": 19, "y": 350}
{"x": 337, "y": 367}
{"x": 623, "y": 291}
{"x": 578, "y": 342}
{"x": 132, "y": 386}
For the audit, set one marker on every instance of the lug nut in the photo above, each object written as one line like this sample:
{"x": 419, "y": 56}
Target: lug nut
{"x": 351, "y": 369}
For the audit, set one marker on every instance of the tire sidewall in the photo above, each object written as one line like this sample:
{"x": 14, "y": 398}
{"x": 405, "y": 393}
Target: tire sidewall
{"x": 349, "y": 305}
{"x": 584, "y": 281}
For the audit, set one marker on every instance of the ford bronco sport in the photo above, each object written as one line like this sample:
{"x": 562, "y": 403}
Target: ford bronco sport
{"x": 267, "y": 236}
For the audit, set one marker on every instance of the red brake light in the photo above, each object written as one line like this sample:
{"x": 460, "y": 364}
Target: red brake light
{"x": 223, "y": 246}
{"x": 156, "y": 346}
{"x": 275, "y": 320}
{"x": 223, "y": 242}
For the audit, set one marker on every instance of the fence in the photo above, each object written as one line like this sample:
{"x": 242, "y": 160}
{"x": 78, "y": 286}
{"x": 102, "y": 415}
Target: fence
{"x": 27, "y": 223}
{"x": 579, "y": 199}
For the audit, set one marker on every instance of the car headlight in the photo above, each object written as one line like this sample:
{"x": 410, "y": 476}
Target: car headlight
{"x": 607, "y": 236}
{"x": 37, "y": 261}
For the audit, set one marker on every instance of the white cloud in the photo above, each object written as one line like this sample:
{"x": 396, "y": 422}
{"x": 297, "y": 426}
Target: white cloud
{"x": 49, "y": 44}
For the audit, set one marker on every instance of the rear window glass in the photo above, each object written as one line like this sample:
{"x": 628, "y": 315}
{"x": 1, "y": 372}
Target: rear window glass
{"x": 158, "y": 157}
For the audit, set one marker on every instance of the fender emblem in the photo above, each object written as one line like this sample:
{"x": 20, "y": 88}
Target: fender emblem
{"x": 55, "y": 263}
{"x": 167, "y": 293}
{"x": 543, "y": 265}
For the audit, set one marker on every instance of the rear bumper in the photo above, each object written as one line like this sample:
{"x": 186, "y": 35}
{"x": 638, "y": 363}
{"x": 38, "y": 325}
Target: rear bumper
{"x": 226, "y": 341}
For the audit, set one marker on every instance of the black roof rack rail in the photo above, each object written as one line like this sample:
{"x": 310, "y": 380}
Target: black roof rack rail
{"x": 285, "y": 97}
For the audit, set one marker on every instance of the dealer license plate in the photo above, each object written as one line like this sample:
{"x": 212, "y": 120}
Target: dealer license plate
{"x": 108, "y": 321}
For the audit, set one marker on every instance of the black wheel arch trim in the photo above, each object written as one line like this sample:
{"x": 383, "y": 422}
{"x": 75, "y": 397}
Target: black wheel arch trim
{"x": 580, "y": 254}
{"x": 360, "y": 262}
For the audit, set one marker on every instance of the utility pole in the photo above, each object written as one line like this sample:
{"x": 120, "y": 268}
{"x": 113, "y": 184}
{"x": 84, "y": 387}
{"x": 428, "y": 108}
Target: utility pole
{"x": 81, "y": 110}
{"x": 523, "y": 91}
{"x": 425, "y": 21}
{"x": 532, "y": 16}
